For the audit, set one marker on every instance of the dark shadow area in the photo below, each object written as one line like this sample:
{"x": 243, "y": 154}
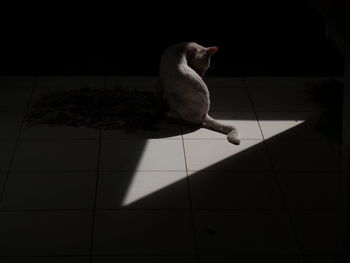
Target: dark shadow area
{"x": 255, "y": 38}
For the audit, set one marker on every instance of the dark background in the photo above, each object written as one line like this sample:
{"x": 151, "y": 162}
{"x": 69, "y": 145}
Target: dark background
{"x": 256, "y": 38}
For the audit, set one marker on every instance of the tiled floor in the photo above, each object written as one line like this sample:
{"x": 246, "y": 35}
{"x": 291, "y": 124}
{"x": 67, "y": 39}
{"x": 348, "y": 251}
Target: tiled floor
{"x": 176, "y": 194}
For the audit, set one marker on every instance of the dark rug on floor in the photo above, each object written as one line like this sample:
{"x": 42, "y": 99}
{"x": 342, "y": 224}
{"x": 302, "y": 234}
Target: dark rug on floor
{"x": 116, "y": 108}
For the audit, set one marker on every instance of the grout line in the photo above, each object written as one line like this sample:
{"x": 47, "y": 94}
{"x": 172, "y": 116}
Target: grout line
{"x": 136, "y": 255}
{"x": 190, "y": 200}
{"x": 248, "y": 254}
{"x": 232, "y": 111}
{"x": 142, "y": 139}
{"x": 220, "y": 139}
{"x": 90, "y": 171}
{"x": 293, "y": 227}
{"x": 154, "y": 255}
{"x": 24, "y": 257}
{"x": 290, "y": 111}
{"x": 43, "y": 210}
{"x": 2, "y": 190}
{"x": 178, "y": 139}
{"x": 59, "y": 139}
{"x": 271, "y": 210}
{"x": 325, "y": 172}
{"x": 96, "y": 255}
{"x": 96, "y": 193}
{"x": 95, "y": 139}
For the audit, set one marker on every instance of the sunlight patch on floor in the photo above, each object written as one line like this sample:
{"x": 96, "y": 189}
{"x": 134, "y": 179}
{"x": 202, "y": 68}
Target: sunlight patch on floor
{"x": 144, "y": 184}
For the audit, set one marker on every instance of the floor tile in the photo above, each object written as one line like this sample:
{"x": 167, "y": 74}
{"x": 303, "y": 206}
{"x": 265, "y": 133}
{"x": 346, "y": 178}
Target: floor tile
{"x": 143, "y": 232}
{"x": 143, "y": 190}
{"x": 245, "y": 122}
{"x": 65, "y": 82}
{"x": 223, "y": 99}
{"x": 163, "y": 130}
{"x": 44, "y": 132}
{"x": 228, "y": 232}
{"x": 76, "y": 259}
{"x": 49, "y": 191}
{"x": 293, "y": 125}
{"x": 142, "y": 155}
{"x": 59, "y": 155}
{"x": 17, "y": 82}
{"x": 326, "y": 259}
{"x": 310, "y": 191}
{"x": 2, "y": 180}
{"x": 320, "y": 80}
{"x": 144, "y": 259}
{"x": 320, "y": 232}
{"x": 305, "y": 155}
{"x": 45, "y": 233}
{"x": 279, "y": 82}
{"x": 14, "y": 98}
{"x": 139, "y": 83}
{"x": 249, "y": 259}
{"x": 6, "y": 150}
{"x": 235, "y": 190}
{"x": 10, "y": 125}
{"x": 224, "y": 82}
{"x": 283, "y": 99}
{"x": 214, "y": 155}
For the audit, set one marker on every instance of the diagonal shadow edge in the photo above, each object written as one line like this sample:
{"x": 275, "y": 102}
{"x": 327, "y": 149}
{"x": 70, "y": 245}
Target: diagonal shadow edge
{"x": 169, "y": 193}
{"x": 244, "y": 157}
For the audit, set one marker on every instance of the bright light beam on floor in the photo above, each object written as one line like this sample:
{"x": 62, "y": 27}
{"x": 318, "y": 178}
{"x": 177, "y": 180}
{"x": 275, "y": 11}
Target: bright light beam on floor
{"x": 144, "y": 184}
